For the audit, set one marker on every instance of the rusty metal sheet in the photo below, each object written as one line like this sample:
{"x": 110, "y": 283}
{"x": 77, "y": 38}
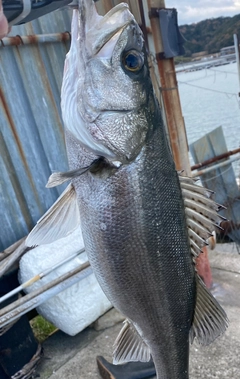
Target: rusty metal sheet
{"x": 31, "y": 130}
{"x": 221, "y": 180}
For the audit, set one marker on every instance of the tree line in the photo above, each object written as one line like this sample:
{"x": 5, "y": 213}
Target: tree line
{"x": 210, "y": 35}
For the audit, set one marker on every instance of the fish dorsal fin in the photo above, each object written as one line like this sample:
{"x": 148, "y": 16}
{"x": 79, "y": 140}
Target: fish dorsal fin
{"x": 61, "y": 219}
{"x": 129, "y": 346}
{"x": 210, "y": 320}
{"x": 201, "y": 214}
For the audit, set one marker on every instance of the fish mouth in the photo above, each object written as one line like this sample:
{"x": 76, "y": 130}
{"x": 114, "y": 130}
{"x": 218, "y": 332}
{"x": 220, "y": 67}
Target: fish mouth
{"x": 101, "y": 32}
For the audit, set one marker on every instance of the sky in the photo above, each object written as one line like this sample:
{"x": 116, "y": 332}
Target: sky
{"x": 190, "y": 11}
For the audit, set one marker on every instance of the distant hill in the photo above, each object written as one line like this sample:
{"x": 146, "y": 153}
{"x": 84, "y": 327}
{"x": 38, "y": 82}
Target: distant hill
{"x": 210, "y": 35}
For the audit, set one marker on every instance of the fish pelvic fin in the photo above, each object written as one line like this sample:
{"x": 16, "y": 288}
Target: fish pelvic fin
{"x": 61, "y": 219}
{"x": 129, "y": 346}
{"x": 210, "y": 320}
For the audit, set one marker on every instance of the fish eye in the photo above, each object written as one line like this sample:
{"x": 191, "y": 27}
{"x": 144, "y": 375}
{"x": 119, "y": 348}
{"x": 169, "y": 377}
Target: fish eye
{"x": 132, "y": 61}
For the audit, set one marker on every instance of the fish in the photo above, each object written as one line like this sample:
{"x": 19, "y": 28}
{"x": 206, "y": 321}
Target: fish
{"x": 143, "y": 223}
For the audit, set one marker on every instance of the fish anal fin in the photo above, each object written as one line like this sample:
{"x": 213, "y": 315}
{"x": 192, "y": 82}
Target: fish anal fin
{"x": 61, "y": 219}
{"x": 129, "y": 346}
{"x": 210, "y": 320}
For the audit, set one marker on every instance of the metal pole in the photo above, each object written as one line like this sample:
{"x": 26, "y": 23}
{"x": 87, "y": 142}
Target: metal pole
{"x": 35, "y": 39}
{"x": 215, "y": 159}
{"x": 174, "y": 118}
{"x": 236, "y": 44}
{"x": 215, "y": 167}
{"x": 32, "y": 300}
{"x": 39, "y": 276}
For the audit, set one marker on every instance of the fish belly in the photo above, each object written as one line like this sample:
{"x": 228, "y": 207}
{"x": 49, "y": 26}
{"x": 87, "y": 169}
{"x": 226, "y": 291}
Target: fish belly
{"x": 135, "y": 235}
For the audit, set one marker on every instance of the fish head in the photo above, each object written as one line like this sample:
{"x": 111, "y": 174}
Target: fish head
{"x": 106, "y": 86}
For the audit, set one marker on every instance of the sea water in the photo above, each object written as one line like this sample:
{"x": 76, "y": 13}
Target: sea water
{"x": 209, "y": 98}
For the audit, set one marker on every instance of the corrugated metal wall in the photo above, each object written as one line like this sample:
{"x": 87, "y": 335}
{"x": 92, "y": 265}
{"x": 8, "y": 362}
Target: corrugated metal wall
{"x": 31, "y": 130}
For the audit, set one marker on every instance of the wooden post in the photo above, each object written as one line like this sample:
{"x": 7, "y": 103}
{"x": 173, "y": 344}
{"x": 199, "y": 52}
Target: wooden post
{"x": 107, "y": 5}
{"x": 171, "y": 100}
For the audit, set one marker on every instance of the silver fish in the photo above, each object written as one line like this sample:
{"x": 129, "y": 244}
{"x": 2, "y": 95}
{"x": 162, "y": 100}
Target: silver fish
{"x": 143, "y": 225}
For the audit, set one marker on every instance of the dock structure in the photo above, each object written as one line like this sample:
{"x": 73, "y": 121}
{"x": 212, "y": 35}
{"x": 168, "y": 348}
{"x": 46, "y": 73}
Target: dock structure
{"x": 206, "y": 63}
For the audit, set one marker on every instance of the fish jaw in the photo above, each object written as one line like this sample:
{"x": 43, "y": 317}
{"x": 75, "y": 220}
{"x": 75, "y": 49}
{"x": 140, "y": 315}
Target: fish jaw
{"x": 105, "y": 107}
{"x": 96, "y": 31}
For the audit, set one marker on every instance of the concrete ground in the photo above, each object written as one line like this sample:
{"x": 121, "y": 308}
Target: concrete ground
{"x": 68, "y": 357}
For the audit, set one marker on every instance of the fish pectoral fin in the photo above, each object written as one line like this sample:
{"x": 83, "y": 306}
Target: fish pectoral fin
{"x": 58, "y": 178}
{"x": 61, "y": 219}
{"x": 129, "y": 346}
{"x": 210, "y": 320}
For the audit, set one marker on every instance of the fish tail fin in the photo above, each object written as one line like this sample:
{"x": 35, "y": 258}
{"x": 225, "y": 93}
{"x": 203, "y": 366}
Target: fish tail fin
{"x": 210, "y": 320}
